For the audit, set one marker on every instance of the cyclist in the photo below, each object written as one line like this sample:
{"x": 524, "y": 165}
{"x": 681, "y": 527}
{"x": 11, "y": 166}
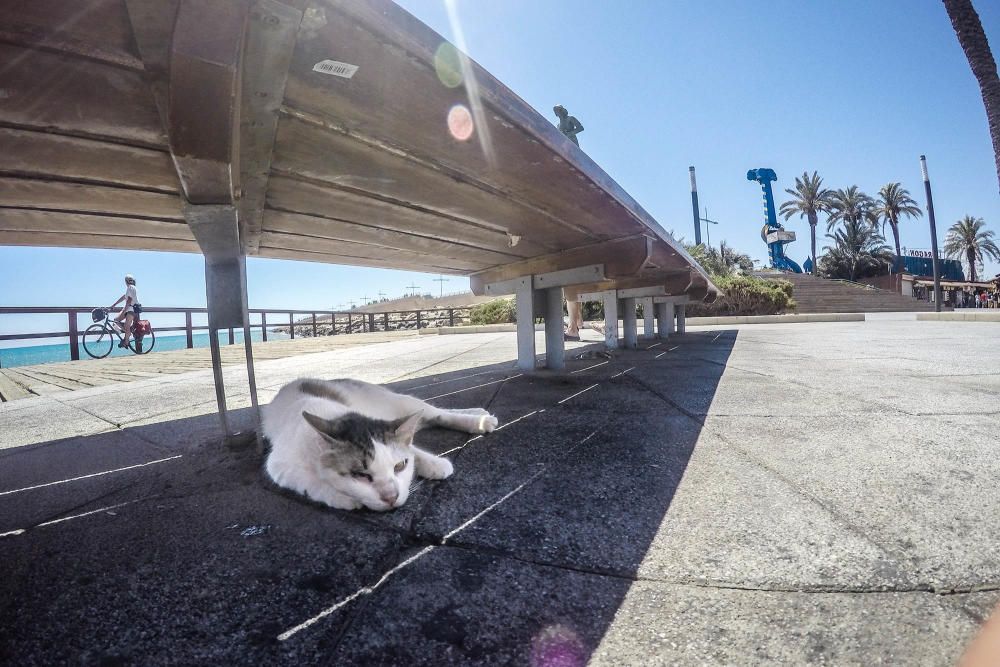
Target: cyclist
{"x": 128, "y": 310}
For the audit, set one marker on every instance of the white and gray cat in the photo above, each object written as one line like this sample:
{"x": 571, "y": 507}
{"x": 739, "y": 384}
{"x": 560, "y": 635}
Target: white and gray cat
{"x": 349, "y": 444}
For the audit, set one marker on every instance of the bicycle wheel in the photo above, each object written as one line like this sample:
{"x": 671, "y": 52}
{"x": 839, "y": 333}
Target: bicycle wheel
{"x": 98, "y": 341}
{"x": 145, "y": 346}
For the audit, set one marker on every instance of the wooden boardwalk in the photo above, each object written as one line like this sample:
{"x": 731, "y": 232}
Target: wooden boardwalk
{"x": 44, "y": 379}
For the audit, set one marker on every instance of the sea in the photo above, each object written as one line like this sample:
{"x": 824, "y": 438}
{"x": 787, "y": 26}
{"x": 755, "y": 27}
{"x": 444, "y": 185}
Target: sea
{"x": 11, "y": 357}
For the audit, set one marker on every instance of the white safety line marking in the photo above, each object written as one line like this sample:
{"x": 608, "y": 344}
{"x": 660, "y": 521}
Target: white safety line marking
{"x": 618, "y": 375}
{"x": 96, "y": 474}
{"x": 514, "y": 421}
{"x": 367, "y": 590}
{"x": 660, "y": 354}
{"x": 580, "y": 370}
{"x": 361, "y": 591}
{"x": 578, "y": 393}
{"x": 673, "y": 348}
{"x": 464, "y": 377}
{"x": 21, "y": 531}
{"x": 455, "y": 449}
{"x": 654, "y": 345}
{"x": 459, "y": 391}
{"x": 83, "y": 514}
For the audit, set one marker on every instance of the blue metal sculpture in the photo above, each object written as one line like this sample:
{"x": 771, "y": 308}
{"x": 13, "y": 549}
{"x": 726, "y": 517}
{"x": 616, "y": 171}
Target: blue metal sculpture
{"x": 773, "y": 234}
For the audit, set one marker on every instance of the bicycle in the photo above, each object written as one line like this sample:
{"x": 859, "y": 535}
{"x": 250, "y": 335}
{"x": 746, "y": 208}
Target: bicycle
{"x": 99, "y": 338}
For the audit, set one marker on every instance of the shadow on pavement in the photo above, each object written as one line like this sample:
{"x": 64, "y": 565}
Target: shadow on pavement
{"x": 523, "y": 556}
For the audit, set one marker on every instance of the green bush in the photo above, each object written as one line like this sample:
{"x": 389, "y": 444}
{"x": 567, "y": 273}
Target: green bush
{"x": 747, "y": 295}
{"x": 501, "y": 311}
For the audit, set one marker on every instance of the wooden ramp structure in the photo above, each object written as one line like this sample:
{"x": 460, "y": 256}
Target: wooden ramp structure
{"x": 334, "y": 131}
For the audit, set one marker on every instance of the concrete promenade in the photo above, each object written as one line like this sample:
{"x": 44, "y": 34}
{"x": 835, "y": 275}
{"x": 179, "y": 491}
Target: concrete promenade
{"x": 819, "y": 493}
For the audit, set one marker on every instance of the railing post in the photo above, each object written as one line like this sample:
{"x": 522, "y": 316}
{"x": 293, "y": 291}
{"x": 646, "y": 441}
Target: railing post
{"x": 291, "y": 325}
{"x": 371, "y": 322}
{"x": 385, "y": 321}
{"x": 263, "y": 327}
{"x": 188, "y": 329}
{"x": 418, "y": 320}
{"x": 349, "y": 326}
{"x": 451, "y": 317}
{"x": 333, "y": 324}
{"x": 232, "y": 340}
{"x": 74, "y": 337}
{"x": 314, "y": 325}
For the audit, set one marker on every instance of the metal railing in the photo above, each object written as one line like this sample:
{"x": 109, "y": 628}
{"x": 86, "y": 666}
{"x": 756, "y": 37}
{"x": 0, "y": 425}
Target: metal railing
{"x": 332, "y": 322}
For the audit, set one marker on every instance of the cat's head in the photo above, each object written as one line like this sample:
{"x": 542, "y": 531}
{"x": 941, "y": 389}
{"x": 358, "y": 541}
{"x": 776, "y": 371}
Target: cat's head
{"x": 369, "y": 460}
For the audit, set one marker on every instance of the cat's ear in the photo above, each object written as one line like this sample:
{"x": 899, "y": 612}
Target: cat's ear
{"x": 405, "y": 428}
{"x": 325, "y": 427}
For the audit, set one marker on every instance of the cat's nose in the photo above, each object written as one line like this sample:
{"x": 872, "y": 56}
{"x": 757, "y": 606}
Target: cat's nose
{"x": 389, "y": 497}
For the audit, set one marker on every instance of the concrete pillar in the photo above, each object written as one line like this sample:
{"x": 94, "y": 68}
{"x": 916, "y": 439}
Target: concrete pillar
{"x": 555, "y": 346}
{"x": 525, "y": 304}
{"x": 664, "y": 319}
{"x": 647, "y": 318}
{"x": 611, "y": 319}
{"x": 681, "y": 319}
{"x": 629, "y": 325}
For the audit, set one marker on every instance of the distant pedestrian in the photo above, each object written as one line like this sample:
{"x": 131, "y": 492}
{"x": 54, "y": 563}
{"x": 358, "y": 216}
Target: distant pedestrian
{"x": 128, "y": 311}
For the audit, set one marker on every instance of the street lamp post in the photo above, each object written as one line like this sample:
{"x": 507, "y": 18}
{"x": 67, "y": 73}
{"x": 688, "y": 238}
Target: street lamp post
{"x": 694, "y": 207}
{"x": 934, "y": 245}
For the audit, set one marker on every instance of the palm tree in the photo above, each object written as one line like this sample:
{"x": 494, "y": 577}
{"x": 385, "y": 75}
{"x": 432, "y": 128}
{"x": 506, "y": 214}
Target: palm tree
{"x": 894, "y": 201}
{"x": 970, "y": 33}
{"x": 969, "y": 241}
{"x": 850, "y": 205}
{"x": 858, "y": 251}
{"x": 810, "y": 199}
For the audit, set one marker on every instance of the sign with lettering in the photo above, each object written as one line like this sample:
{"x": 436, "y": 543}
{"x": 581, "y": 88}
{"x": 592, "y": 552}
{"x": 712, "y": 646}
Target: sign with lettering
{"x": 923, "y": 254}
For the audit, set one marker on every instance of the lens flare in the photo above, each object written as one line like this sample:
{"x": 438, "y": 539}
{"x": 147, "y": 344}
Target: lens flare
{"x": 460, "y": 123}
{"x": 557, "y": 646}
{"x": 448, "y": 65}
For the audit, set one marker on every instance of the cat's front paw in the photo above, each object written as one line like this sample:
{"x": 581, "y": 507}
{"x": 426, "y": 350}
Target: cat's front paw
{"x": 436, "y": 468}
{"x": 487, "y": 423}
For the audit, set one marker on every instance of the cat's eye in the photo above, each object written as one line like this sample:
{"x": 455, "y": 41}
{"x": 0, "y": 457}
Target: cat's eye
{"x": 401, "y": 466}
{"x": 361, "y": 475}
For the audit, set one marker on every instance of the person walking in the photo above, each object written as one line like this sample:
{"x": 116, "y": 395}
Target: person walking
{"x": 127, "y": 313}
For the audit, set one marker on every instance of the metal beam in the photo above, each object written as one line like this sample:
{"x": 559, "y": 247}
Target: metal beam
{"x": 621, "y": 257}
{"x": 270, "y": 42}
{"x": 671, "y": 299}
{"x": 547, "y": 280}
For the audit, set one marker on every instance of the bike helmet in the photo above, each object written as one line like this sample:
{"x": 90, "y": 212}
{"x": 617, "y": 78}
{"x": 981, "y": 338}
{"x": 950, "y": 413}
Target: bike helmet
{"x": 99, "y": 314}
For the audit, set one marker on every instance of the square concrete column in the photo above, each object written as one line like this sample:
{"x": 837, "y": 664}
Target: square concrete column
{"x": 681, "y": 319}
{"x": 647, "y": 318}
{"x": 525, "y": 304}
{"x": 555, "y": 346}
{"x": 629, "y": 325}
{"x": 665, "y": 319}
{"x": 611, "y": 319}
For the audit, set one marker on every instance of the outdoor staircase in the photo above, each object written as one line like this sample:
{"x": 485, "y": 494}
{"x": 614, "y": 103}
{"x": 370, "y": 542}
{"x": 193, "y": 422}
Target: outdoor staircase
{"x": 819, "y": 295}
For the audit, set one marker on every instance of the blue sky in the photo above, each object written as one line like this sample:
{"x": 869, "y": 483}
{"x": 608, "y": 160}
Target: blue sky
{"x": 856, "y": 90}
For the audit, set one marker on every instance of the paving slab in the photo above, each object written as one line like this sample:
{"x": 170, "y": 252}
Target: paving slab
{"x": 730, "y": 496}
{"x": 44, "y": 419}
{"x": 664, "y": 624}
